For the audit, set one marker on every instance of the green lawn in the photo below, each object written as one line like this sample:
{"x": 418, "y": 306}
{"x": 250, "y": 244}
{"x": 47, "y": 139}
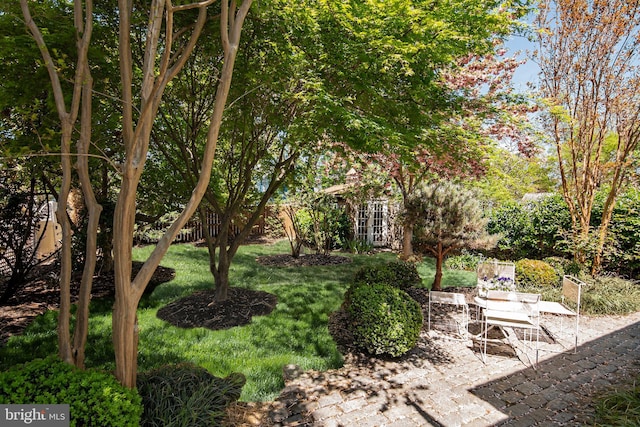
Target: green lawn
{"x": 295, "y": 332}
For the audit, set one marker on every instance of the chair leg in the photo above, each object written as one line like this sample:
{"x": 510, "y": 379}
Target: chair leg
{"x": 484, "y": 343}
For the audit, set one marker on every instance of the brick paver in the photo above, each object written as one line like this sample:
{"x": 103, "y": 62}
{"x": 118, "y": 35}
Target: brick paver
{"x": 445, "y": 383}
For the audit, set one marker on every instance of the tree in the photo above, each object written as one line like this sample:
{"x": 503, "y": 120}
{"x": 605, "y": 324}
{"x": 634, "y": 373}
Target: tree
{"x": 588, "y": 55}
{"x": 263, "y": 135}
{"x": 446, "y": 217}
{"x": 380, "y": 64}
{"x": 478, "y": 107}
{"x": 136, "y": 138}
{"x": 509, "y": 176}
{"x": 162, "y": 62}
{"x": 79, "y": 105}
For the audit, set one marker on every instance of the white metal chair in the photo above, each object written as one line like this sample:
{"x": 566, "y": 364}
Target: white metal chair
{"x": 570, "y": 305}
{"x": 459, "y": 301}
{"x": 511, "y": 310}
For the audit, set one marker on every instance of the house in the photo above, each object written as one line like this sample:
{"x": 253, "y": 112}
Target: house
{"x": 373, "y": 220}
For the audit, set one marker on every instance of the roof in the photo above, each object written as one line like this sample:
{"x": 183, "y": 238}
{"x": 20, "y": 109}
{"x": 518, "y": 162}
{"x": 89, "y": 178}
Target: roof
{"x": 338, "y": 189}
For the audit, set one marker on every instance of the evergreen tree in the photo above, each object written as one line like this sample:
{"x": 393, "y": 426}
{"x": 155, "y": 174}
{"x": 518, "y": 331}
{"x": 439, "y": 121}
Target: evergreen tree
{"x": 446, "y": 217}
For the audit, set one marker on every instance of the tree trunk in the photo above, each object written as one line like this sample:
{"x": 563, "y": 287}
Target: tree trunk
{"x": 94, "y": 209}
{"x": 124, "y": 321}
{"x": 607, "y": 213}
{"x": 64, "y": 317}
{"x": 220, "y": 270}
{"x": 106, "y": 266}
{"x": 407, "y": 237}
{"x": 581, "y": 239}
{"x": 437, "y": 280}
{"x": 222, "y": 279}
{"x": 125, "y": 337}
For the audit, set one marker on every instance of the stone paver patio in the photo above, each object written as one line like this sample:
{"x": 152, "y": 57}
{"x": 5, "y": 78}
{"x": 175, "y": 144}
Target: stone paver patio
{"x": 445, "y": 383}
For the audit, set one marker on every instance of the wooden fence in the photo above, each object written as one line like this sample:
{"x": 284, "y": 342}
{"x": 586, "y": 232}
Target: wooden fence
{"x": 193, "y": 231}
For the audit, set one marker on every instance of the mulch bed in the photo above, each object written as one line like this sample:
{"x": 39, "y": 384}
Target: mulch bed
{"x": 202, "y": 310}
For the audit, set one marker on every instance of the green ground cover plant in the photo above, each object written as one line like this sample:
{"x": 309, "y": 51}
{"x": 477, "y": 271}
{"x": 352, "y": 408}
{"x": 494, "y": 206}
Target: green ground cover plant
{"x": 95, "y": 398}
{"x": 294, "y": 333}
{"x": 186, "y": 395}
{"x": 619, "y": 407}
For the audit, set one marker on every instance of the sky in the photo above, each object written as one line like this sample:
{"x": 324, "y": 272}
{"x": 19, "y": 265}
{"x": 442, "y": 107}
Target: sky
{"x": 527, "y": 72}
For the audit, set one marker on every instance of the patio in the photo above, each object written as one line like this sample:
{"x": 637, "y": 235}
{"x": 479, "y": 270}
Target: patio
{"x": 444, "y": 382}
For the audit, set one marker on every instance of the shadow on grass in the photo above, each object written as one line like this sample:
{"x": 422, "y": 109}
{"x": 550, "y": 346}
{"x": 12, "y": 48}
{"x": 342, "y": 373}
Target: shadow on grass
{"x": 40, "y": 339}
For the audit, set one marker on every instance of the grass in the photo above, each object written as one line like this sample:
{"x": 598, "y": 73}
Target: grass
{"x": 294, "y": 333}
{"x": 620, "y": 407}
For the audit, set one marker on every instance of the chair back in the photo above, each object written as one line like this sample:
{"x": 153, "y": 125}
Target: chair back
{"x": 572, "y": 291}
{"x": 492, "y": 269}
{"x": 513, "y": 296}
{"x": 447, "y": 298}
{"x": 513, "y": 301}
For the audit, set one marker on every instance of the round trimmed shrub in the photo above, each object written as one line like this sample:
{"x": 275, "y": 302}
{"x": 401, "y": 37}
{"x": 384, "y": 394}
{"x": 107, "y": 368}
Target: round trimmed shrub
{"x": 532, "y": 273}
{"x": 399, "y": 274}
{"x": 405, "y": 274}
{"x": 383, "y": 320}
{"x": 95, "y": 398}
{"x": 186, "y": 395}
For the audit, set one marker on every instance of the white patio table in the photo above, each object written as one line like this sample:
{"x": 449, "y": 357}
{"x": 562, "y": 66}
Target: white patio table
{"x": 509, "y": 310}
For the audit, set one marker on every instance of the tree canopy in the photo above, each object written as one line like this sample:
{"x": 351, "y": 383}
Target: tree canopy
{"x": 588, "y": 55}
{"x": 366, "y": 74}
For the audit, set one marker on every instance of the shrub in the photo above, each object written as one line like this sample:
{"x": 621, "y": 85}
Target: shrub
{"x": 383, "y": 319}
{"x": 399, "y": 274}
{"x": 405, "y": 274}
{"x": 466, "y": 261}
{"x": 610, "y": 295}
{"x": 565, "y": 266}
{"x": 574, "y": 268}
{"x": 186, "y": 394}
{"x": 531, "y": 272}
{"x": 558, "y": 263}
{"x": 95, "y": 398}
{"x": 530, "y": 230}
{"x": 623, "y": 232}
{"x": 512, "y": 222}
